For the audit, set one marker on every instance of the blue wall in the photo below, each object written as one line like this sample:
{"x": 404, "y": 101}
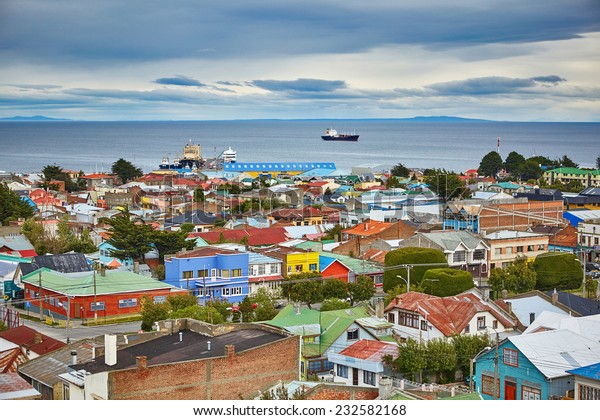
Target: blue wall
{"x": 233, "y": 289}
{"x": 105, "y": 258}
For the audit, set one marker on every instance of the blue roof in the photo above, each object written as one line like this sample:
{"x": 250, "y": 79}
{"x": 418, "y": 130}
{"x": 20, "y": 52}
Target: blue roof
{"x": 278, "y": 166}
{"x": 589, "y": 371}
{"x": 318, "y": 172}
{"x": 579, "y": 304}
{"x": 255, "y": 258}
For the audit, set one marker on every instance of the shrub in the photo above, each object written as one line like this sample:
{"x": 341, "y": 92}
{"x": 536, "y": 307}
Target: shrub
{"x": 410, "y": 255}
{"x": 449, "y": 282}
{"x": 561, "y": 271}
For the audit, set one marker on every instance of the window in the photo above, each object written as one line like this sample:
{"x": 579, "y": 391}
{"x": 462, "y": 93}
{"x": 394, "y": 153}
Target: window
{"x": 541, "y": 247}
{"x": 159, "y": 299}
{"x": 487, "y": 386}
{"x": 261, "y": 269}
{"x": 127, "y": 303}
{"x": 423, "y": 325}
{"x": 479, "y": 254}
{"x": 202, "y": 273}
{"x": 530, "y": 393}
{"x": 409, "y": 320}
{"x": 274, "y": 268}
{"x": 289, "y": 268}
{"x": 225, "y": 291}
{"x": 187, "y": 274}
{"x": 530, "y": 248}
{"x": 519, "y": 249}
{"x": 391, "y": 317}
{"x": 236, "y": 272}
{"x": 510, "y": 357}
{"x": 312, "y": 267}
{"x": 480, "y": 322}
{"x": 342, "y": 371}
{"x": 587, "y": 392}
{"x": 459, "y": 256}
{"x": 495, "y": 324}
{"x": 352, "y": 334}
{"x": 66, "y": 391}
{"x": 99, "y": 306}
{"x": 321, "y": 365}
{"x": 298, "y": 268}
{"x": 508, "y": 250}
{"x": 225, "y": 273}
{"x": 236, "y": 291}
{"x": 369, "y": 377}
{"x": 498, "y": 251}
{"x": 467, "y": 329}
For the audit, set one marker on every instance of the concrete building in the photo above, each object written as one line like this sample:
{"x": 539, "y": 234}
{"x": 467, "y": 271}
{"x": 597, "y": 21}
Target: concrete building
{"x": 506, "y": 245}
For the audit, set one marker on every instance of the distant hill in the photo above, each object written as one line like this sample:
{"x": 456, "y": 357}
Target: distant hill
{"x": 442, "y": 118}
{"x": 33, "y": 118}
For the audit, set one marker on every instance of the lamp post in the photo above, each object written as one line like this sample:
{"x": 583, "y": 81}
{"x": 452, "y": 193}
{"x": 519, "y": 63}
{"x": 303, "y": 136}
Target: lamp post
{"x": 407, "y": 280}
{"x": 471, "y": 367}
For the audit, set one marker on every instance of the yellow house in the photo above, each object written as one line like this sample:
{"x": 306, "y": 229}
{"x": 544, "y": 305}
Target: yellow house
{"x": 294, "y": 260}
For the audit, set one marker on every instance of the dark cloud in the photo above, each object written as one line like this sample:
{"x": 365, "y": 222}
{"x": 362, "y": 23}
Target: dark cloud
{"x": 34, "y": 86}
{"x": 225, "y": 83}
{"x": 489, "y": 85}
{"x": 178, "y": 81}
{"x": 91, "y": 32}
{"x": 300, "y": 85}
{"x": 552, "y": 80}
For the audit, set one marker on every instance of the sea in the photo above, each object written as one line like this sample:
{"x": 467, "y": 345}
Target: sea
{"x": 27, "y": 147}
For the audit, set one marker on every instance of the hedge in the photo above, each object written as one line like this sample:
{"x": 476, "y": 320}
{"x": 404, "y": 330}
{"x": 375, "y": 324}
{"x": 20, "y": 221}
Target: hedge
{"x": 410, "y": 255}
{"x": 558, "y": 270}
{"x": 450, "y": 281}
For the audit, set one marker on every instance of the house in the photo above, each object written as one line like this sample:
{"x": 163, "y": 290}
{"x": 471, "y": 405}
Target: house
{"x": 506, "y": 245}
{"x": 462, "y": 249}
{"x": 589, "y": 239}
{"x": 322, "y": 332}
{"x": 202, "y": 221}
{"x": 32, "y": 343}
{"x": 255, "y": 236}
{"x": 75, "y": 262}
{"x": 17, "y": 245}
{"x": 43, "y": 372}
{"x": 588, "y": 177}
{"x": 575, "y": 217}
{"x": 107, "y": 260}
{"x": 94, "y": 181}
{"x": 347, "y": 268}
{"x": 576, "y": 304}
{"x": 588, "y": 199}
{"x": 561, "y": 239}
{"x": 587, "y": 326}
{"x": 188, "y": 360}
{"x": 263, "y": 271}
{"x": 534, "y": 366}
{"x": 304, "y": 216}
{"x": 210, "y": 273}
{"x": 526, "y": 307}
{"x": 89, "y": 294}
{"x": 540, "y": 194}
{"x": 587, "y": 382}
{"x": 424, "y": 317}
{"x": 294, "y": 260}
{"x": 13, "y": 387}
{"x": 361, "y": 363}
{"x": 508, "y": 187}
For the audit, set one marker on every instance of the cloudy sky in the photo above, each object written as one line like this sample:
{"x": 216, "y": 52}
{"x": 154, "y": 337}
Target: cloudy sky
{"x": 513, "y": 60}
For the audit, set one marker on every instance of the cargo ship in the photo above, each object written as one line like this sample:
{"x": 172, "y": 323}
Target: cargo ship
{"x": 333, "y": 135}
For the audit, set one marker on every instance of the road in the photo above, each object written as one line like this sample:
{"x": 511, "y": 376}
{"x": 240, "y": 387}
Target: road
{"x": 79, "y": 332}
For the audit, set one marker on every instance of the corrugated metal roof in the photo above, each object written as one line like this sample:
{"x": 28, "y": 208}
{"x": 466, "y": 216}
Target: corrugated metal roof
{"x": 371, "y": 350}
{"x": 590, "y": 371}
{"x": 10, "y": 359}
{"x": 13, "y": 387}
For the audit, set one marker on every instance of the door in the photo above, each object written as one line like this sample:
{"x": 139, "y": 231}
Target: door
{"x": 354, "y": 376}
{"x": 510, "y": 391}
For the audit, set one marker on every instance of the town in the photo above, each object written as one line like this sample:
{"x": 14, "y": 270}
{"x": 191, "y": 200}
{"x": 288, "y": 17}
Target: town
{"x": 291, "y": 280}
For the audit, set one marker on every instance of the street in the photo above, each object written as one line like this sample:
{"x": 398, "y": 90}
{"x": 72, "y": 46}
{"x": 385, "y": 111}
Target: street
{"x": 79, "y": 332}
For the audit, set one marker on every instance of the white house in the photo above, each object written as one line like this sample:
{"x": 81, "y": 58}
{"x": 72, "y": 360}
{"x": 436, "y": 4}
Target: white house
{"x": 361, "y": 363}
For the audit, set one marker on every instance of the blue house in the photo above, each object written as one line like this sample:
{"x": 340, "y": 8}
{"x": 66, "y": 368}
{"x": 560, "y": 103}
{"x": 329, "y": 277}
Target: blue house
{"x": 534, "y": 366}
{"x": 211, "y": 273}
{"x": 106, "y": 260}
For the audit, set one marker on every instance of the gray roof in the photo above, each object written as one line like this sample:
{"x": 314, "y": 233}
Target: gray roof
{"x": 16, "y": 243}
{"x": 197, "y": 217}
{"x": 63, "y": 263}
{"x": 579, "y": 304}
{"x": 450, "y": 239}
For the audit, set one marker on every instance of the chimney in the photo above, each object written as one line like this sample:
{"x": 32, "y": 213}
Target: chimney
{"x": 110, "y": 349}
{"x": 103, "y": 271}
{"x": 554, "y": 297}
{"x": 141, "y": 362}
{"x": 180, "y": 336}
{"x": 208, "y": 344}
{"x": 229, "y": 350}
{"x": 73, "y": 357}
{"x": 504, "y": 293}
{"x": 136, "y": 267}
{"x": 509, "y": 307}
{"x": 37, "y": 339}
{"x": 379, "y": 309}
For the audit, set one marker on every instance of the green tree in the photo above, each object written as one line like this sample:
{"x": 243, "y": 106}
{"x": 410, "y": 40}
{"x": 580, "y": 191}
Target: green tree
{"x": 400, "y": 170}
{"x": 361, "y": 290}
{"x": 159, "y": 272}
{"x": 130, "y": 239}
{"x": 447, "y": 185}
{"x": 3, "y": 326}
{"x": 408, "y": 256}
{"x": 335, "y": 288}
{"x": 333, "y": 233}
{"x": 411, "y": 359}
{"x": 517, "y": 278}
{"x": 332, "y": 304}
{"x": 56, "y": 173}
{"x": 446, "y": 281}
{"x": 201, "y": 313}
{"x": 84, "y": 243}
{"x": 264, "y": 300}
{"x": 11, "y": 206}
{"x": 441, "y": 358}
{"x": 530, "y": 169}
{"x": 393, "y": 292}
{"x": 308, "y": 292}
{"x": 513, "y": 162}
{"x": 35, "y": 233}
{"x": 558, "y": 270}
{"x": 466, "y": 348}
{"x": 170, "y": 242}
{"x": 566, "y": 162}
{"x": 490, "y": 164}
{"x": 178, "y": 302}
{"x": 199, "y": 195}
{"x": 125, "y": 171}
{"x": 152, "y": 312}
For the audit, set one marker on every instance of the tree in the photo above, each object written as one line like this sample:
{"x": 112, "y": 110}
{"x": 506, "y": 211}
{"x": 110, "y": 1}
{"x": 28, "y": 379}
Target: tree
{"x": 441, "y": 357}
{"x": 447, "y": 185}
{"x": 335, "y": 233}
{"x": 362, "y": 289}
{"x": 410, "y": 255}
{"x": 130, "y": 239}
{"x": 518, "y": 277}
{"x": 333, "y": 304}
{"x": 264, "y": 300}
{"x": 558, "y": 270}
{"x": 178, "y": 302}
{"x": 466, "y": 348}
{"x": 125, "y": 171}
{"x": 400, "y": 170}
{"x": 490, "y": 164}
{"x": 308, "y": 292}
{"x": 169, "y": 242}
{"x": 446, "y": 281}
{"x": 199, "y": 195}
{"x": 530, "y": 169}
{"x": 566, "y": 162}
{"x": 152, "y": 312}
{"x": 11, "y": 206}
{"x": 201, "y": 313}
{"x": 513, "y": 162}
{"x": 335, "y": 288}
{"x": 598, "y": 162}
{"x": 393, "y": 292}
{"x": 56, "y": 173}
{"x": 411, "y": 359}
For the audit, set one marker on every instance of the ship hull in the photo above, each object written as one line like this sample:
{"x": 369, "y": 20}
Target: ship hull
{"x": 341, "y": 137}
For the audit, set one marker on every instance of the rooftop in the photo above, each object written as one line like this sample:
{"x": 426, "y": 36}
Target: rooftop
{"x": 13, "y": 387}
{"x": 370, "y": 350}
{"x": 31, "y": 339}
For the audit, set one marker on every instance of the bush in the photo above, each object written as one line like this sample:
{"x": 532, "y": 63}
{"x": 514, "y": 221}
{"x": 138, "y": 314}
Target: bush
{"x": 449, "y": 282}
{"x": 410, "y": 255}
{"x": 333, "y": 304}
{"x": 555, "y": 270}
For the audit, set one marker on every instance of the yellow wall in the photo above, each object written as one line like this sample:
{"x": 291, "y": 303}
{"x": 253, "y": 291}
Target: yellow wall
{"x": 304, "y": 259}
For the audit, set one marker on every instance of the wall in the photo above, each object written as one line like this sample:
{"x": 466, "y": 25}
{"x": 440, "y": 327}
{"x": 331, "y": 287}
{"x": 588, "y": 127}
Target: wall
{"x": 336, "y": 392}
{"x": 221, "y": 378}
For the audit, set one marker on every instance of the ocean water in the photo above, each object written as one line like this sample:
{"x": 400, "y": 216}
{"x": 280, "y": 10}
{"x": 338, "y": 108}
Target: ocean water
{"x": 457, "y": 146}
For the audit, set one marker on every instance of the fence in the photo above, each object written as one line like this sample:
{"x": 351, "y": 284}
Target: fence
{"x": 10, "y": 317}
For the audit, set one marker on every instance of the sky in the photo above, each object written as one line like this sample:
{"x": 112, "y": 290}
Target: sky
{"x": 509, "y": 60}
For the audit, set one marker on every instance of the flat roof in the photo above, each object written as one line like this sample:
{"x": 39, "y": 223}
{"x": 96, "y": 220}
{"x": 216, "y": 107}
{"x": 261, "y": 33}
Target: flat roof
{"x": 193, "y": 346}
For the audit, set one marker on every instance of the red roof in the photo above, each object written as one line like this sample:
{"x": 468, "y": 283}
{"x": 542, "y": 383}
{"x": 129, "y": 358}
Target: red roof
{"x": 370, "y": 350}
{"x": 97, "y": 176}
{"x": 31, "y": 339}
{"x": 204, "y": 252}
{"x": 256, "y": 236}
{"x": 371, "y": 227}
{"x": 449, "y": 314}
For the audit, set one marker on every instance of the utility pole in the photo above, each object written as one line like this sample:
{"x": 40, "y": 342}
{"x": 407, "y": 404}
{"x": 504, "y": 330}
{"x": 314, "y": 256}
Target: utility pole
{"x": 584, "y": 262}
{"x": 95, "y": 297}
{"x": 68, "y": 316}
{"x": 496, "y": 378}
{"x": 41, "y": 299}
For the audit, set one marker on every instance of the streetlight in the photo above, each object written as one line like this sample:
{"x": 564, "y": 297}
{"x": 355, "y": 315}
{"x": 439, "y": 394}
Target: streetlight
{"x": 471, "y": 367}
{"x": 407, "y": 280}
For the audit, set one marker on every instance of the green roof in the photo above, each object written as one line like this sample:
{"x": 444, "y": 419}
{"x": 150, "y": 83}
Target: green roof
{"x": 82, "y": 284}
{"x": 575, "y": 171}
{"x": 12, "y": 258}
{"x": 355, "y": 265}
